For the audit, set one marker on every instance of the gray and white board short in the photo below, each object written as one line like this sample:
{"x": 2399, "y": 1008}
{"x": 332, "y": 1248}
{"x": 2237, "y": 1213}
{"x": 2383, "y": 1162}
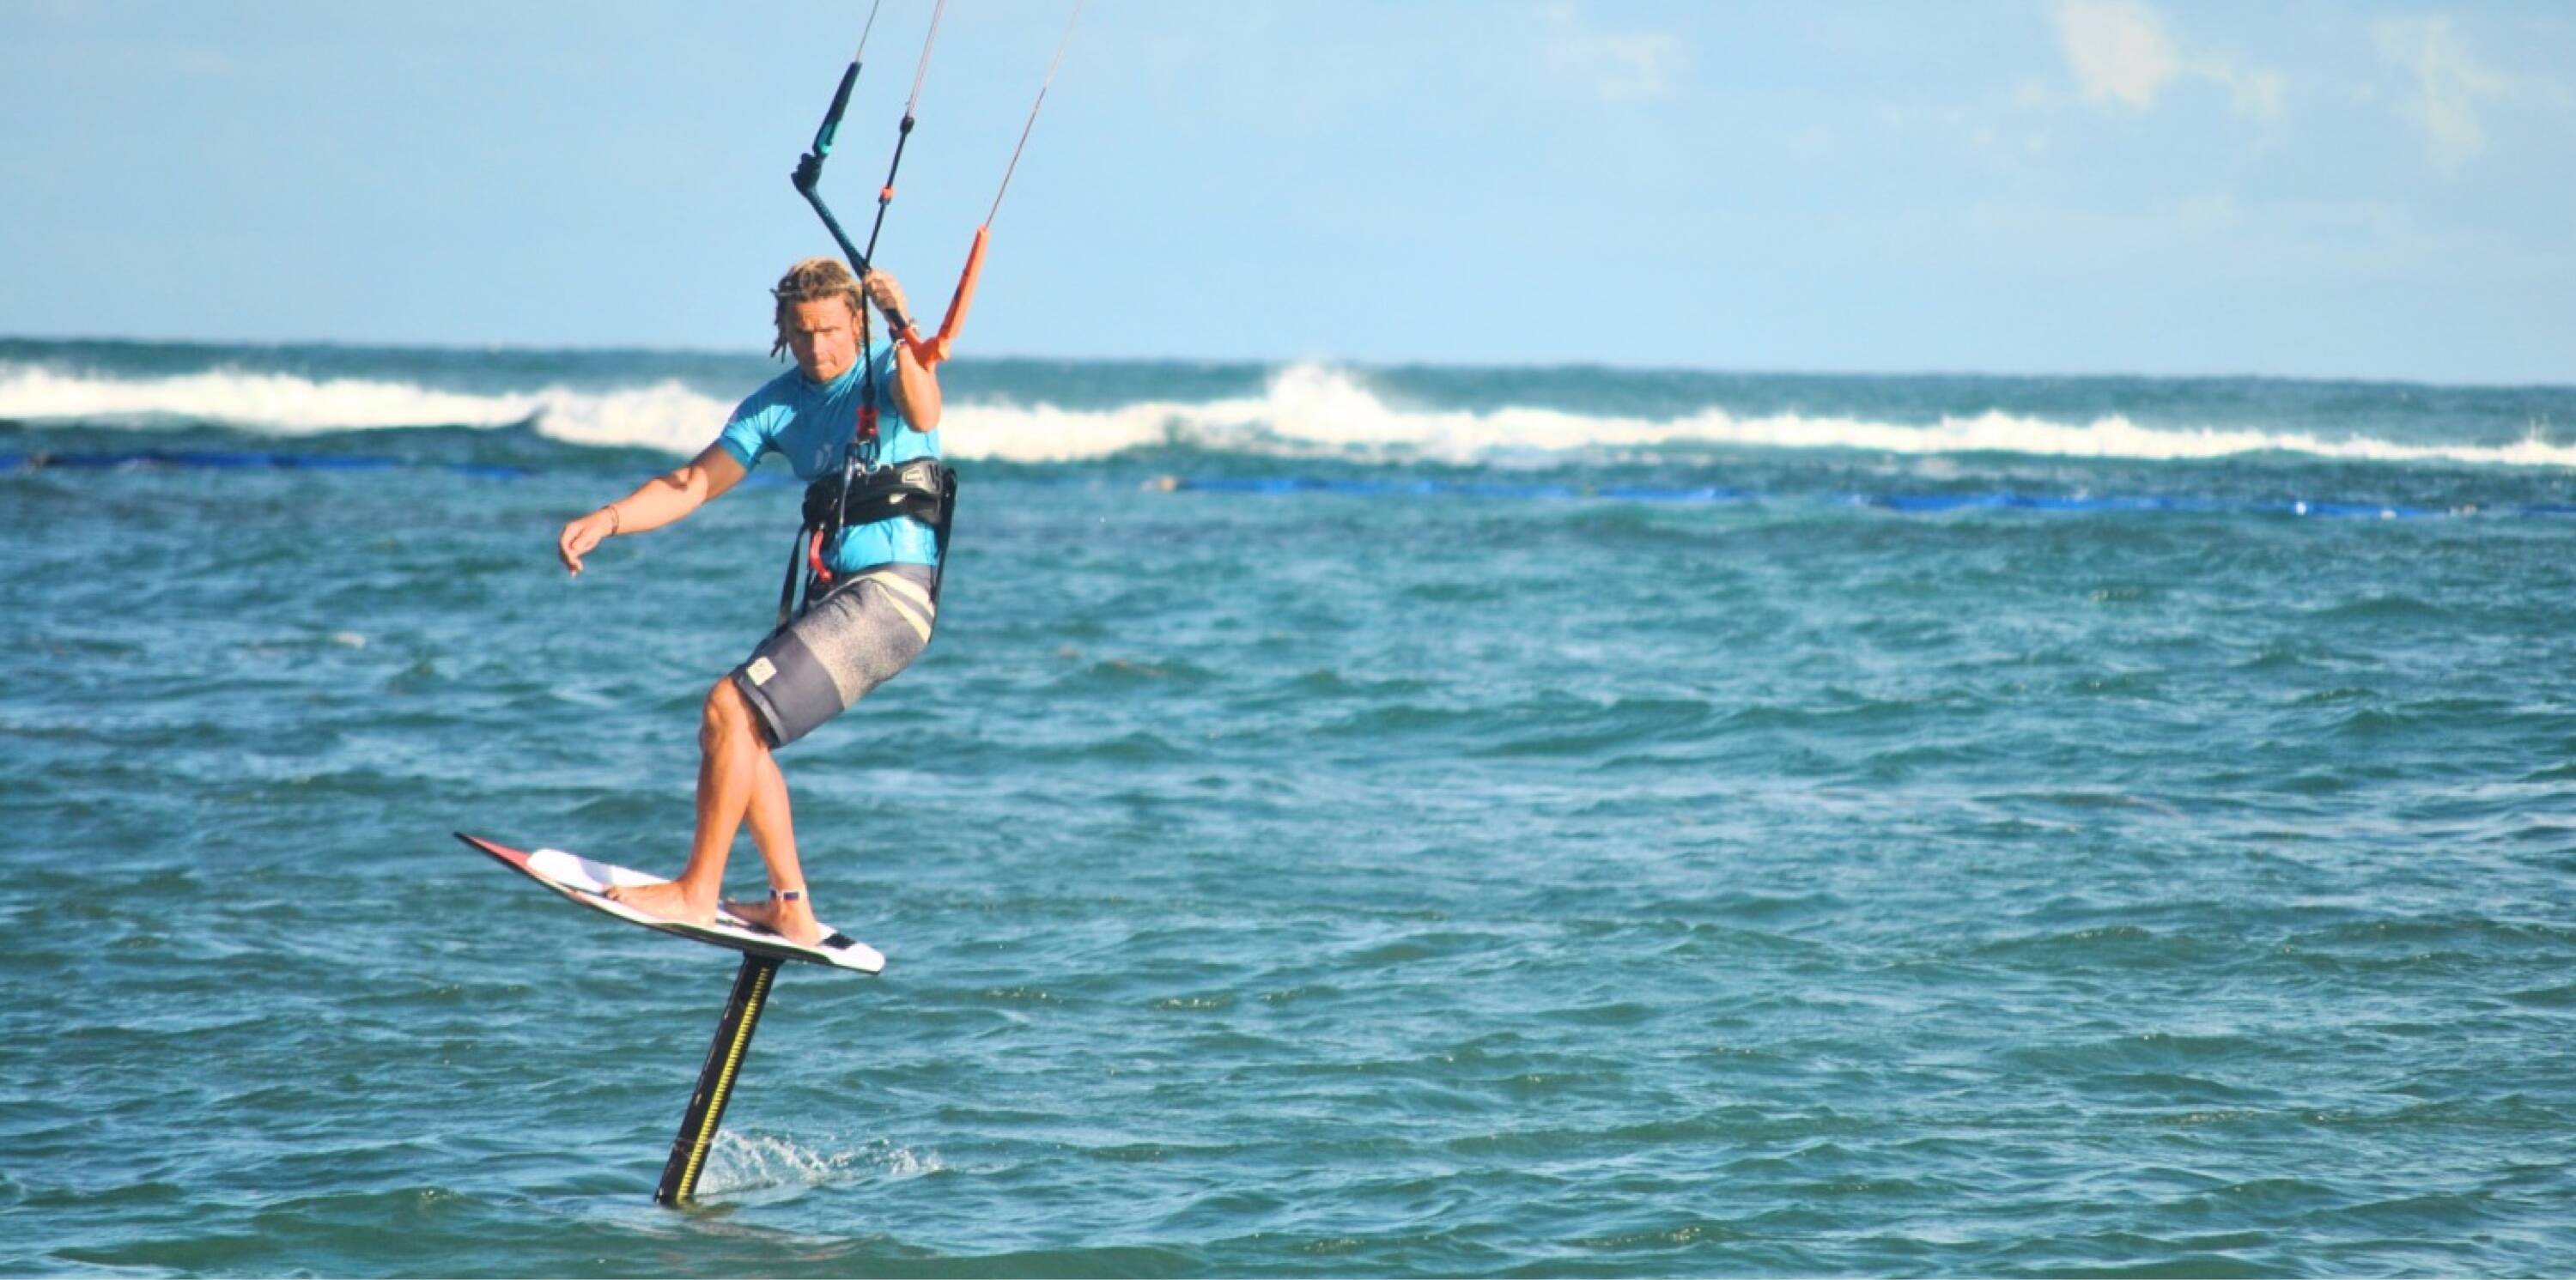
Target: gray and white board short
{"x": 855, "y": 638}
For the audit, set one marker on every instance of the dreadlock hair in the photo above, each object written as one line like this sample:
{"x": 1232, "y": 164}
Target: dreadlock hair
{"x": 813, "y": 280}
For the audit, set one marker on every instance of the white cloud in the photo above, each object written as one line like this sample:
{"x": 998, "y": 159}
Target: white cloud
{"x": 2452, "y": 88}
{"x": 1618, "y": 66}
{"x": 2117, "y": 49}
{"x": 2119, "y": 52}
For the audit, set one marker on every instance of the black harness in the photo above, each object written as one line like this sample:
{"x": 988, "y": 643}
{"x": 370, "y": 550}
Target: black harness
{"x": 924, "y": 489}
{"x": 920, "y": 488}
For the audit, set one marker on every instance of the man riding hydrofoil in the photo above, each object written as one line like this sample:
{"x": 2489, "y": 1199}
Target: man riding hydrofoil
{"x": 870, "y": 622}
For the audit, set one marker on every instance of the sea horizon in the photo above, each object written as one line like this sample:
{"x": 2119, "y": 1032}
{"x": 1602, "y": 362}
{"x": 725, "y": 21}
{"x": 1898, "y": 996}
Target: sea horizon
{"x": 753, "y": 349}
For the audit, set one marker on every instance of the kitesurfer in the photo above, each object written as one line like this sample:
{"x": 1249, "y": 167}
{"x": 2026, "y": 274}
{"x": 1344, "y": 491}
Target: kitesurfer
{"x": 873, "y": 616}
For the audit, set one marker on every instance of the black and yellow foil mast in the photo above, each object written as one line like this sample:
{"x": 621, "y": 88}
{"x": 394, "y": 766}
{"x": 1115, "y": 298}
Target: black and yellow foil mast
{"x": 715, "y": 1081}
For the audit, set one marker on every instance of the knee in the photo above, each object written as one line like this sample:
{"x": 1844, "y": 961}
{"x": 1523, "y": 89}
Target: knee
{"x": 726, "y": 716}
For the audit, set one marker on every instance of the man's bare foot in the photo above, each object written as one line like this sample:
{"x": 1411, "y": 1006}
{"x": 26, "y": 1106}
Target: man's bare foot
{"x": 793, "y": 921}
{"x": 665, "y": 899}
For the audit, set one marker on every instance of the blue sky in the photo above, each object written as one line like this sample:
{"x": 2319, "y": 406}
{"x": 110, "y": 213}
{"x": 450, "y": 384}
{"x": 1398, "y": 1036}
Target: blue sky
{"x": 2041, "y": 186}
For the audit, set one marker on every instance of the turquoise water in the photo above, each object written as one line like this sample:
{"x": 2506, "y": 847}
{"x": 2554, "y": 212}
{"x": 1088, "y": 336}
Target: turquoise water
{"x": 1408, "y": 822}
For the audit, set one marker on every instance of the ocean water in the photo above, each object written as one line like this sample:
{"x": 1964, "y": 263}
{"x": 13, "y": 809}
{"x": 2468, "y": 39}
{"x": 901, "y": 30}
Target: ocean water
{"x": 1406, "y": 821}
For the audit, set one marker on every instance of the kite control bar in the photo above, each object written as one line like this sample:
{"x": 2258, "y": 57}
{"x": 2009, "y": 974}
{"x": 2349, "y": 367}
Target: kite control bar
{"x": 937, "y": 348}
{"x": 809, "y": 175}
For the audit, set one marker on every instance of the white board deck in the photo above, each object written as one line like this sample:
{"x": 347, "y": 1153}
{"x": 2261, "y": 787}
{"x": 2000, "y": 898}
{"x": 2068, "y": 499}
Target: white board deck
{"x": 587, "y": 881}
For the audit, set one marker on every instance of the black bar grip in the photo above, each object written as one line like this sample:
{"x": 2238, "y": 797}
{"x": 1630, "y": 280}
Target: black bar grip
{"x": 832, "y": 118}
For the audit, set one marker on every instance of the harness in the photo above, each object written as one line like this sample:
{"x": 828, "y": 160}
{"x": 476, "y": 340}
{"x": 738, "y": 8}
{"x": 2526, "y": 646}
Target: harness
{"x": 861, "y": 492}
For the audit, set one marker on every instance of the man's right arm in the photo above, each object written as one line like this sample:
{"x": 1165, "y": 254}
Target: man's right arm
{"x": 656, "y": 502}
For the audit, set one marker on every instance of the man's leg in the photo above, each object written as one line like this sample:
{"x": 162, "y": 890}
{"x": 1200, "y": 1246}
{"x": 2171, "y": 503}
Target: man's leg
{"x": 731, "y": 758}
{"x": 774, "y": 830}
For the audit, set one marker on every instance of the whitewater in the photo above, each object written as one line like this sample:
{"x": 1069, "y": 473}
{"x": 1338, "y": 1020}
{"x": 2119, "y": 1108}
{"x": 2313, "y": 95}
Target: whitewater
{"x": 1301, "y": 410}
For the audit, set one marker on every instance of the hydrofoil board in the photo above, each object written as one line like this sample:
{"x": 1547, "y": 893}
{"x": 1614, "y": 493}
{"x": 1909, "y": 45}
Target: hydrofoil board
{"x": 588, "y": 881}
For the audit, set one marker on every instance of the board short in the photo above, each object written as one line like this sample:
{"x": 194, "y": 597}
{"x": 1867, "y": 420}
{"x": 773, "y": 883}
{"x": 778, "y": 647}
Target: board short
{"x": 852, "y": 640}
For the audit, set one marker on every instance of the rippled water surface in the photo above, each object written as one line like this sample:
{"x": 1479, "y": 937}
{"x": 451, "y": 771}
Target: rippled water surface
{"x": 1311, "y": 879}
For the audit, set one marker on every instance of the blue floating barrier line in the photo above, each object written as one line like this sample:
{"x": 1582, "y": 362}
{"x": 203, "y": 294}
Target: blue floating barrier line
{"x": 1534, "y": 491}
{"x": 242, "y": 460}
{"x": 1903, "y": 503}
{"x": 2357, "y": 510}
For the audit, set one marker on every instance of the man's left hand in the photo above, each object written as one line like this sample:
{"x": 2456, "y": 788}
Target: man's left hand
{"x": 883, "y": 291}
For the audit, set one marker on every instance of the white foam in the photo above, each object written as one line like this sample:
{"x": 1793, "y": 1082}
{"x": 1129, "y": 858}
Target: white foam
{"x": 1314, "y": 410}
{"x": 755, "y": 1162}
{"x": 664, "y": 415}
{"x": 271, "y": 401}
{"x": 1306, "y": 410}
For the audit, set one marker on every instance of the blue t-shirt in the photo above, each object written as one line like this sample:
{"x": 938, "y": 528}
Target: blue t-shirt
{"x": 810, "y": 423}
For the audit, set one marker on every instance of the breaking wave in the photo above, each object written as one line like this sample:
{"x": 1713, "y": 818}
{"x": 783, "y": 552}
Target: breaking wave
{"x": 1304, "y": 411}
